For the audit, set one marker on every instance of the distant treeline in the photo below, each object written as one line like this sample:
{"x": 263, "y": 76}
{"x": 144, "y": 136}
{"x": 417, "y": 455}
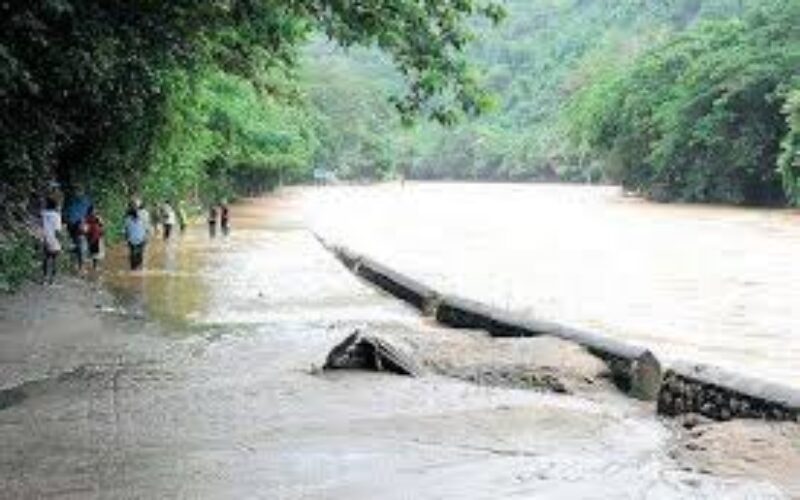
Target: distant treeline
{"x": 710, "y": 115}
{"x": 678, "y": 100}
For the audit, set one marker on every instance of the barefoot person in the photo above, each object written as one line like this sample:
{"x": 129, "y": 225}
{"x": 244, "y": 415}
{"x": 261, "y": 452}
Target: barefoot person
{"x": 136, "y": 236}
{"x": 51, "y": 246}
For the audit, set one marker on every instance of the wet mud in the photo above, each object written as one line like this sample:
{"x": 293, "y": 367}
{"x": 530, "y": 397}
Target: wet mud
{"x": 742, "y": 448}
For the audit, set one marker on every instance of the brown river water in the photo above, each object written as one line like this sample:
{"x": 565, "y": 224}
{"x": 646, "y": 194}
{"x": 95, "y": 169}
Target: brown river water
{"x": 198, "y": 377}
{"x": 713, "y": 284}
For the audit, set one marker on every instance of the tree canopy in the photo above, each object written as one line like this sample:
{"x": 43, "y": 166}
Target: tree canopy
{"x": 700, "y": 118}
{"x": 107, "y": 92}
{"x": 535, "y": 63}
{"x": 687, "y": 99}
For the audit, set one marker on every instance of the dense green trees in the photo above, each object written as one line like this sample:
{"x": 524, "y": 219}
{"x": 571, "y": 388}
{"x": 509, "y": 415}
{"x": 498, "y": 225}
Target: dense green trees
{"x": 534, "y": 62}
{"x": 680, "y": 100}
{"x": 138, "y": 92}
{"x": 358, "y": 130}
{"x": 168, "y": 98}
{"x": 789, "y": 161}
{"x": 207, "y": 96}
{"x": 700, "y": 117}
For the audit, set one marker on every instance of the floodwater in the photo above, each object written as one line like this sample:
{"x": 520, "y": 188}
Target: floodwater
{"x": 198, "y": 377}
{"x": 713, "y": 284}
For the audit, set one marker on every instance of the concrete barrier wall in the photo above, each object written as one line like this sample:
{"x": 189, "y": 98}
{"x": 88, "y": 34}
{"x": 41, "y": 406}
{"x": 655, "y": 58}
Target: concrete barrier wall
{"x": 351, "y": 260}
{"x": 723, "y": 395}
{"x": 400, "y": 286}
{"x": 683, "y": 388}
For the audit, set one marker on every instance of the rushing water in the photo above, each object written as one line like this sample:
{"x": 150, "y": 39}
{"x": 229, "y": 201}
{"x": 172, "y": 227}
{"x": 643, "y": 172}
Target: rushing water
{"x": 706, "y": 283}
{"x": 228, "y": 406}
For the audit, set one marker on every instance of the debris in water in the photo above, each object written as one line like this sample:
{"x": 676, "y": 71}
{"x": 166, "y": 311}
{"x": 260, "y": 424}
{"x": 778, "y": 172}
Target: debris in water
{"x": 369, "y": 352}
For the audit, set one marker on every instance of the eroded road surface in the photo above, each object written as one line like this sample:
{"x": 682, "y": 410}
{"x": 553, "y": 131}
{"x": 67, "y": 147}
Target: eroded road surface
{"x": 199, "y": 378}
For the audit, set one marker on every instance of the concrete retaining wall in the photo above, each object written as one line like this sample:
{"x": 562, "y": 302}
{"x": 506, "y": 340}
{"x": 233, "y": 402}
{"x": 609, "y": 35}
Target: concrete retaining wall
{"x": 350, "y": 259}
{"x": 684, "y": 388}
{"x": 723, "y": 395}
{"x": 402, "y": 287}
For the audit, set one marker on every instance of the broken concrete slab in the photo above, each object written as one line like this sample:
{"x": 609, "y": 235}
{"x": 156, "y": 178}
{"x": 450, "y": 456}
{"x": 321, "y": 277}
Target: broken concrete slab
{"x": 634, "y": 369}
{"x": 370, "y": 352}
{"x": 545, "y": 363}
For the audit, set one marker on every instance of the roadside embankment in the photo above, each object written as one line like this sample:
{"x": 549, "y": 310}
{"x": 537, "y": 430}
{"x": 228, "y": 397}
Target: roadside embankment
{"x": 683, "y": 388}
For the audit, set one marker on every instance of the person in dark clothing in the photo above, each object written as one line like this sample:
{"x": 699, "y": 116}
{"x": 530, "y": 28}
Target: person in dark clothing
{"x": 75, "y": 212}
{"x": 224, "y": 219}
{"x": 212, "y": 221}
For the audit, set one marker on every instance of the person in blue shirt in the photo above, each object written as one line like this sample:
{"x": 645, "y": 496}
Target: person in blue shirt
{"x": 136, "y": 236}
{"x": 75, "y": 212}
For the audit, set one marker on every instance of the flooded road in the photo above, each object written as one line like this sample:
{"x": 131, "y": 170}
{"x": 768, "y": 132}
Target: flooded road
{"x": 198, "y": 378}
{"x": 712, "y": 284}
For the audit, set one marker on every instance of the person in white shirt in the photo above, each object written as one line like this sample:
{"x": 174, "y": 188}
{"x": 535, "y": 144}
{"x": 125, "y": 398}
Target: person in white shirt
{"x": 136, "y": 235}
{"x": 51, "y": 246}
{"x": 169, "y": 219}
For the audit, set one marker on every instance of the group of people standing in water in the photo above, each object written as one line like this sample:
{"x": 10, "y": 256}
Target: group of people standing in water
{"x": 86, "y": 229}
{"x": 139, "y": 226}
{"x": 84, "y": 226}
{"x": 218, "y": 215}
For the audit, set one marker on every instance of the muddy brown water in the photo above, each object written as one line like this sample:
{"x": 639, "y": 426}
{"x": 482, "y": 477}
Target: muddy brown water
{"x": 703, "y": 283}
{"x": 198, "y": 379}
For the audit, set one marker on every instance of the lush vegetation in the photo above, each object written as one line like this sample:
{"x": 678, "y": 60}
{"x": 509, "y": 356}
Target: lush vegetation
{"x": 700, "y": 118}
{"x": 197, "y": 97}
{"x": 789, "y": 161}
{"x": 544, "y": 52}
{"x": 695, "y": 100}
{"x": 680, "y": 100}
{"x": 138, "y": 92}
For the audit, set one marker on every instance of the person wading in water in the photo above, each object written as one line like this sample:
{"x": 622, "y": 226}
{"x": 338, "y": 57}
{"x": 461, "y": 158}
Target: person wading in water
{"x": 136, "y": 236}
{"x": 212, "y": 221}
{"x": 224, "y": 219}
{"x": 168, "y": 218}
